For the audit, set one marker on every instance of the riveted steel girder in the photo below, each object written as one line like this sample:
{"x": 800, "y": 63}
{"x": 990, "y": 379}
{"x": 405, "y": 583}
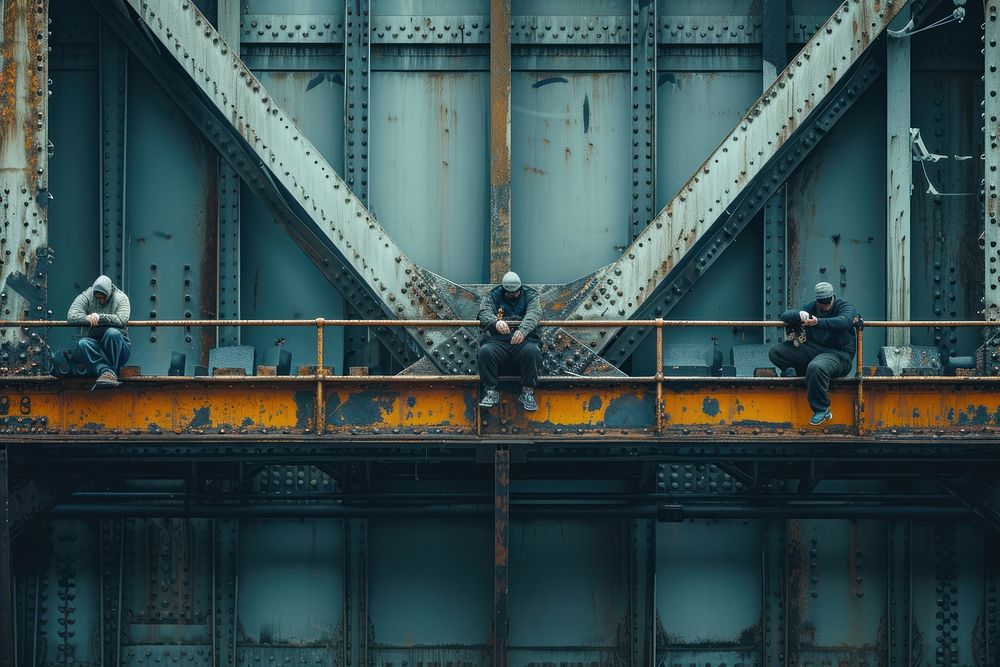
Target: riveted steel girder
{"x": 991, "y": 153}
{"x": 24, "y": 177}
{"x": 635, "y": 285}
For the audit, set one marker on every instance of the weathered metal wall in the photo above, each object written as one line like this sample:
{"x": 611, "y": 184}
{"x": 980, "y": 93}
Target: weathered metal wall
{"x": 405, "y": 121}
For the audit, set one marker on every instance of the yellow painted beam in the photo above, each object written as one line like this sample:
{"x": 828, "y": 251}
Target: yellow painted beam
{"x": 721, "y": 408}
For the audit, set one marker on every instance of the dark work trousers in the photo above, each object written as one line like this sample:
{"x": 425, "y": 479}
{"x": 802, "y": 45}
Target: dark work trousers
{"x": 817, "y": 363}
{"x": 109, "y": 353}
{"x": 493, "y": 353}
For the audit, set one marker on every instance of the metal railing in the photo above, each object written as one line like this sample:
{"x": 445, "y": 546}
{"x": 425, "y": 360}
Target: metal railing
{"x": 659, "y": 325}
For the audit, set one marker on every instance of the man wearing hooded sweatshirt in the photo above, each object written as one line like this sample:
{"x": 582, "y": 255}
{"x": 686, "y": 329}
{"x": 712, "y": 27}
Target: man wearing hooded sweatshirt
{"x": 503, "y": 341}
{"x": 103, "y": 311}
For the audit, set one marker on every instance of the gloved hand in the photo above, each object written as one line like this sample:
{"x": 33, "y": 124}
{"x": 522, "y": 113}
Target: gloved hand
{"x": 804, "y": 316}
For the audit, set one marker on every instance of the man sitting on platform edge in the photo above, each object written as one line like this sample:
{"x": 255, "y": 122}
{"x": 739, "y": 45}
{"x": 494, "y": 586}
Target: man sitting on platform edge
{"x": 103, "y": 310}
{"x": 500, "y": 341}
{"x": 823, "y": 348}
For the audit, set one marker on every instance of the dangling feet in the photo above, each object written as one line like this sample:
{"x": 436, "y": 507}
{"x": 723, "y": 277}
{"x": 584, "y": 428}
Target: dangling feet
{"x": 820, "y": 417}
{"x": 490, "y": 399}
{"x": 528, "y": 399}
{"x": 106, "y": 379}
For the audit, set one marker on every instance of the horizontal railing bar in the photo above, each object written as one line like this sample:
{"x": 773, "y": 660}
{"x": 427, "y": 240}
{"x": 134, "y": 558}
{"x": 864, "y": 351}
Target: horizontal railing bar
{"x": 469, "y": 323}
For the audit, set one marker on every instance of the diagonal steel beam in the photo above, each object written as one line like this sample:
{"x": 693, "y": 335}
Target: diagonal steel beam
{"x": 638, "y": 284}
{"x": 326, "y": 219}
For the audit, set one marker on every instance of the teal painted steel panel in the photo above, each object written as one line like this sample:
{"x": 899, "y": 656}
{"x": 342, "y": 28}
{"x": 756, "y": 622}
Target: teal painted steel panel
{"x": 278, "y": 282}
{"x": 291, "y": 582}
{"x": 429, "y": 168}
{"x": 836, "y": 216}
{"x": 703, "y": 567}
{"x": 568, "y": 591}
{"x": 74, "y": 181}
{"x": 170, "y": 227}
{"x": 430, "y": 587}
{"x": 570, "y": 172}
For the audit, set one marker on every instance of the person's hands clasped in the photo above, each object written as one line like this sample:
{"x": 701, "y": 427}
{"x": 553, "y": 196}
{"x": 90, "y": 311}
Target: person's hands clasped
{"x": 517, "y": 338}
{"x": 807, "y": 319}
{"x": 502, "y": 327}
{"x": 93, "y": 319}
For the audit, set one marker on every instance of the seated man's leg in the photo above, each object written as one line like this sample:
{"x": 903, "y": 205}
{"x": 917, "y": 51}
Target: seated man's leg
{"x": 528, "y": 358}
{"x": 824, "y": 366}
{"x": 89, "y": 353}
{"x": 785, "y": 355}
{"x": 116, "y": 348}
{"x": 491, "y": 355}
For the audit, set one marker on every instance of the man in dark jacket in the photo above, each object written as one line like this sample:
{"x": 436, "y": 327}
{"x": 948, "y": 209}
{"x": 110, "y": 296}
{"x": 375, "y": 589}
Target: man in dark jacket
{"x": 103, "y": 311}
{"x": 510, "y": 300}
{"x": 827, "y": 350}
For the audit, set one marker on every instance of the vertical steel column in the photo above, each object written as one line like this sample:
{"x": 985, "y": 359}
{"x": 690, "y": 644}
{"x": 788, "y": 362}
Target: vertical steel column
{"x": 899, "y": 603}
{"x": 225, "y": 595}
{"x": 501, "y": 553}
{"x": 642, "y": 591}
{"x": 357, "y": 74}
{"x": 899, "y": 181}
{"x": 357, "y": 53}
{"x": 774, "y": 651}
{"x": 112, "y": 563}
{"x": 500, "y": 194}
{"x": 991, "y": 565}
{"x": 991, "y": 171}
{"x": 643, "y": 79}
{"x": 229, "y": 203}
{"x": 24, "y": 190}
{"x": 6, "y": 568}
{"x": 356, "y": 593}
{"x": 114, "y": 97}
{"x": 774, "y": 52}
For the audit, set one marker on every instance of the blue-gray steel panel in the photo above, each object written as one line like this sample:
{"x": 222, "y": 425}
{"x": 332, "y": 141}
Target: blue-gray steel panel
{"x": 844, "y": 584}
{"x": 429, "y": 584}
{"x": 278, "y": 282}
{"x": 74, "y": 213}
{"x": 430, "y": 7}
{"x": 568, "y": 593}
{"x": 570, "y": 172}
{"x": 836, "y": 216}
{"x": 334, "y": 7}
{"x": 570, "y": 7}
{"x": 701, "y": 568}
{"x": 71, "y": 592}
{"x": 171, "y": 231}
{"x": 429, "y": 168}
{"x": 948, "y": 592}
{"x": 291, "y": 581}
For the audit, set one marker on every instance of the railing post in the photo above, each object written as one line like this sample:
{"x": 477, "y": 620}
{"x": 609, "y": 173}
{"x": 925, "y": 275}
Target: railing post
{"x": 659, "y": 376}
{"x": 320, "y": 407}
{"x": 859, "y": 407}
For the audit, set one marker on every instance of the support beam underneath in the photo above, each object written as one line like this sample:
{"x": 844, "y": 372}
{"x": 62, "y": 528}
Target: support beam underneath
{"x": 899, "y": 182}
{"x": 500, "y": 196}
{"x": 501, "y": 553}
{"x": 6, "y": 569}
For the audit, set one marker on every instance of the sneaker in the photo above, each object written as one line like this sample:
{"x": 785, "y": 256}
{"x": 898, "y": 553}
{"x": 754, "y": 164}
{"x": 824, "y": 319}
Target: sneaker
{"x": 528, "y": 399}
{"x": 820, "y": 417}
{"x": 107, "y": 379}
{"x": 491, "y": 399}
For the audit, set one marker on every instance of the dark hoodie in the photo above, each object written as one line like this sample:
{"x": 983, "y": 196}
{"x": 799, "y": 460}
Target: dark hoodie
{"x": 115, "y": 311}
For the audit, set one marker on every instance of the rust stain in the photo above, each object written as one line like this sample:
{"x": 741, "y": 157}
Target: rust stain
{"x": 528, "y": 169}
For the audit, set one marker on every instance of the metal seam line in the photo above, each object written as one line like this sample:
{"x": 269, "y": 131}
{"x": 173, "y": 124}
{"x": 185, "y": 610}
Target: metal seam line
{"x": 643, "y": 115}
{"x": 991, "y": 170}
{"x": 500, "y": 178}
{"x": 229, "y": 203}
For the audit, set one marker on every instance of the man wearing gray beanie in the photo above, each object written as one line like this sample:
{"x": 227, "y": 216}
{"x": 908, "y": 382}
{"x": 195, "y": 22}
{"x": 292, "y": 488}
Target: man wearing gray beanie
{"x": 503, "y": 341}
{"x": 825, "y": 351}
{"x": 102, "y": 311}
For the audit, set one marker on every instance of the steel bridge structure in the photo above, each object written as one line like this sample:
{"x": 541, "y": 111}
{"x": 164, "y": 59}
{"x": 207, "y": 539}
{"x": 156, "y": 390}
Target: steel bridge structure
{"x": 305, "y": 200}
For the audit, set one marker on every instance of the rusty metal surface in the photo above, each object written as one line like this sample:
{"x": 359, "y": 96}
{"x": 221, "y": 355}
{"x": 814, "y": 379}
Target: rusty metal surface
{"x": 431, "y": 407}
{"x": 24, "y": 177}
{"x": 500, "y": 197}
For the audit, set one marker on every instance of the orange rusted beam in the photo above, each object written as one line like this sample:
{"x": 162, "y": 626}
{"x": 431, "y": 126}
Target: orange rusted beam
{"x": 719, "y": 408}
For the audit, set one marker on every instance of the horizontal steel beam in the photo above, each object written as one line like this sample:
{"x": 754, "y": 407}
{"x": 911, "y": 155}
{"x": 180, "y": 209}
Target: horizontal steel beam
{"x": 428, "y": 409}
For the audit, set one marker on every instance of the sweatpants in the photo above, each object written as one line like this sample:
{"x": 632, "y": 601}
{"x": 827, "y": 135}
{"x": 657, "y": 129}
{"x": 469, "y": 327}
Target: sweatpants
{"x": 109, "y": 353}
{"x": 817, "y": 363}
{"x": 493, "y": 353}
